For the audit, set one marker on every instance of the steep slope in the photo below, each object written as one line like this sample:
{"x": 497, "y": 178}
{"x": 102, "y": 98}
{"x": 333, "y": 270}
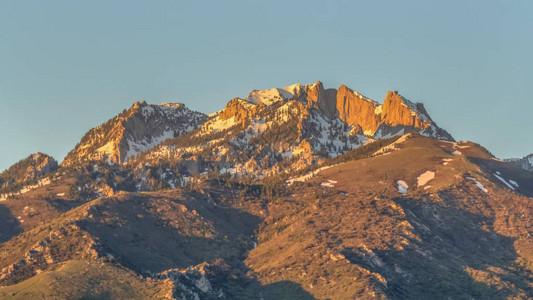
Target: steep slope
{"x": 290, "y": 128}
{"x": 193, "y": 241}
{"x": 396, "y": 116}
{"x": 134, "y": 130}
{"x": 399, "y": 115}
{"x": 28, "y": 170}
{"x": 80, "y": 279}
{"x": 416, "y": 218}
{"x": 357, "y": 110}
{"x": 258, "y": 140}
{"x": 414, "y": 222}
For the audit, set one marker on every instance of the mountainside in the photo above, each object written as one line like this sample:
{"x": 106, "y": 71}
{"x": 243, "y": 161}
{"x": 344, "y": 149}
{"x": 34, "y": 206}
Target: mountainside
{"x": 395, "y": 115}
{"x": 28, "y": 170}
{"x": 134, "y": 130}
{"x": 420, "y": 217}
{"x": 289, "y": 193}
{"x": 284, "y": 129}
{"x": 525, "y": 163}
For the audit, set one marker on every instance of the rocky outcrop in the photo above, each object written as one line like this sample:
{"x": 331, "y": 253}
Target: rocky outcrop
{"x": 29, "y": 169}
{"x": 238, "y": 109}
{"x": 323, "y": 99}
{"x": 525, "y": 163}
{"x": 397, "y": 110}
{"x": 355, "y": 109}
{"x": 135, "y": 130}
{"x": 397, "y": 115}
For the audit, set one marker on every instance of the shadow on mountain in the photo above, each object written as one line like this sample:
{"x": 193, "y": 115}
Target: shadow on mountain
{"x": 455, "y": 254}
{"x": 9, "y": 225}
{"x": 63, "y": 205}
{"x": 507, "y": 171}
{"x": 147, "y": 235}
{"x": 151, "y": 235}
{"x": 285, "y": 290}
{"x": 100, "y": 296}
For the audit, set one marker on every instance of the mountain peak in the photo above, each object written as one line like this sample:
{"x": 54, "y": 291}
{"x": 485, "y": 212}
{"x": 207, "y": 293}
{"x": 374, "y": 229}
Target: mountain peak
{"x": 396, "y": 116}
{"x": 28, "y": 169}
{"x": 136, "y": 129}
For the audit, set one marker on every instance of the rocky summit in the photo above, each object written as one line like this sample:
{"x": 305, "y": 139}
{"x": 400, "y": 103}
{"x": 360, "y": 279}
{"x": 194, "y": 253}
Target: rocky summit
{"x": 300, "y": 192}
{"x": 136, "y": 129}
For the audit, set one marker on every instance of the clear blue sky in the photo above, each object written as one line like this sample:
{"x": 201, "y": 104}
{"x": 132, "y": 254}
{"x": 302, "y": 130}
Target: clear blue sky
{"x": 67, "y": 66}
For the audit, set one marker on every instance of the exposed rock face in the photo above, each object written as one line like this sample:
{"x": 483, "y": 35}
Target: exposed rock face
{"x": 525, "y": 163}
{"x": 323, "y": 99}
{"x": 135, "y": 130}
{"x": 396, "y": 116}
{"x": 237, "y": 108}
{"x": 28, "y": 169}
{"x": 397, "y": 110}
{"x": 355, "y": 109}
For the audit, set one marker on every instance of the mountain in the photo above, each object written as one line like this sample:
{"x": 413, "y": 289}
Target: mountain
{"x": 396, "y": 115}
{"x": 525, "y": 163}
{"x": 283, "y": 129}
{"x": 298, "y": 192}
{"x": 27, "y": 170}
{"x": 136, "y": 129}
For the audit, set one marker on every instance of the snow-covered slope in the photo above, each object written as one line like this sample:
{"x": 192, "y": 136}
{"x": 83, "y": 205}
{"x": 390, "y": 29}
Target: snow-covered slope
{"x": 135, "y": 130}
{"x": 259, "y": 140}
{"x": 283, "y": 129}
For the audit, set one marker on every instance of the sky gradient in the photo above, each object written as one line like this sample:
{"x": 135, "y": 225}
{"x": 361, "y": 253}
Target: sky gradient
{"x": 68, "y": 66}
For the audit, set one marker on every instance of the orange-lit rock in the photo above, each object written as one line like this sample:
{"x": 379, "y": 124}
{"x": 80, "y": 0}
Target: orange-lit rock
{"x": 355, "y": 109}
{"x": 396, "y": 111}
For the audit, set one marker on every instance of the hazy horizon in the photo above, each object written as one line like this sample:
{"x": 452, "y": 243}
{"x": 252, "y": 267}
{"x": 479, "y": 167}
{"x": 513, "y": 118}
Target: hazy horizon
{"x": 68, "y": 67}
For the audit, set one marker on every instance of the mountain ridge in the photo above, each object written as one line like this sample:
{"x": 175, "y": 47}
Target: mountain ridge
{"x": 298, "y": 192}
{"x": 136, "y": 129}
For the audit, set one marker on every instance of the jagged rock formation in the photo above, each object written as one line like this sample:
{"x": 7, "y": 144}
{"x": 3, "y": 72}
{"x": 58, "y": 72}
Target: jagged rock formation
{"x": 261, "y": 139}
{"x": 357, "y": 110}
{"x": 282, "y": 129}
{"x": 396, "y": 116}
{"x": 135, "y": 130}
{"x": 525, "y": 163}
{"x": 28, "y": 169}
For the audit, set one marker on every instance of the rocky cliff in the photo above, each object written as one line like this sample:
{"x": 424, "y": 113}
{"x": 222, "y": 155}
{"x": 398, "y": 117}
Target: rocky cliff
{"x": 525, "y": 163}
{"x": 136, "y": 129}
{"x": 396, "y": 116}
{"x": 28, "y": 169}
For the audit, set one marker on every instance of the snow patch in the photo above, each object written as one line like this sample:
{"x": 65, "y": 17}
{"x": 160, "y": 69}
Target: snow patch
{"x": 392, "y": 146}
{"x": 269, "y": 96}
{"x": 503, "y": 180}
{"x": 478, "y": 184}
{"x": 136, "y": 147}
{"x": 307, "y": 176}
{"x": 402, "y": 187}
{"x": 425, "y": 178}
{"x": 446, "y": 161}
{"x": 329, "y": 183}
